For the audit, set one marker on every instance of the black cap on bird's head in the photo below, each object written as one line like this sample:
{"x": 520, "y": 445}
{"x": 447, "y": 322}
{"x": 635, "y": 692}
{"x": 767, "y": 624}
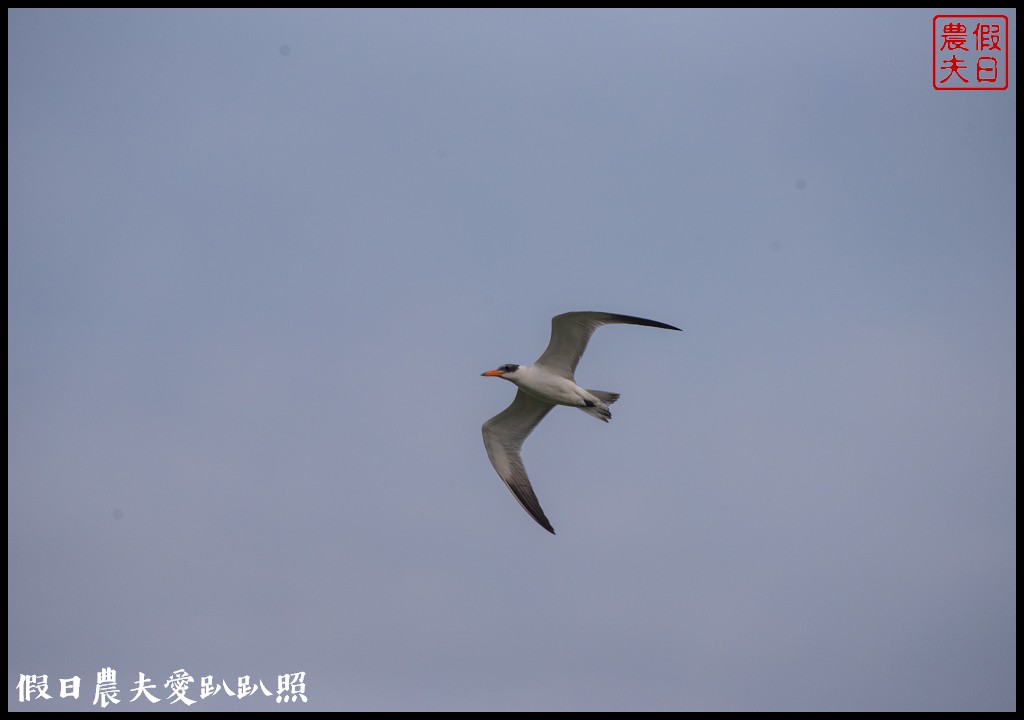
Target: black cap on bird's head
{"x": 503, "y": 370}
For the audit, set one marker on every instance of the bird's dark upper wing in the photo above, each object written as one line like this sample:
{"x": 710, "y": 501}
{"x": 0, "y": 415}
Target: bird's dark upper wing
{"x": 570, "y": 333}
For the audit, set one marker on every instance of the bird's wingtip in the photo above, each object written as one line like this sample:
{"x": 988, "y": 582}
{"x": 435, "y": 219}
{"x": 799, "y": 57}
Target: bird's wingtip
{"x": 543, "y": 521}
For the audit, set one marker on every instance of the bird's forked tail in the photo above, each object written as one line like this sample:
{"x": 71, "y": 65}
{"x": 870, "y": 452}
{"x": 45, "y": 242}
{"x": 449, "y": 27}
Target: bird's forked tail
{"x": 601, "y": 411}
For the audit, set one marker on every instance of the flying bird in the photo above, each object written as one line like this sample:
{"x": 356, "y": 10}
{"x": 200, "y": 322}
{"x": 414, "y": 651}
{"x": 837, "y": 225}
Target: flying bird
{"x": 548, "y": 382}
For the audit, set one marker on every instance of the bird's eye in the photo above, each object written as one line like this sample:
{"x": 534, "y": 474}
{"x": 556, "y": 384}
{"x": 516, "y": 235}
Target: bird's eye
{"x": 509, "y": 368}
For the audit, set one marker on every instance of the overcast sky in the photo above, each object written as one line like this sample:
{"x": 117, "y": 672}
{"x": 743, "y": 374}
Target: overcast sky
{"x": 257, "y": 262}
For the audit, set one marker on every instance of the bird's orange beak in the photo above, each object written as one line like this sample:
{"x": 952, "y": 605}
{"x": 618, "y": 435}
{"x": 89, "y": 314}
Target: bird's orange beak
{"x": 492, "y": 373}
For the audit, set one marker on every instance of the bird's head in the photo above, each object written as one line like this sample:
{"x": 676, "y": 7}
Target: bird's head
{"x": 505, "y": 371}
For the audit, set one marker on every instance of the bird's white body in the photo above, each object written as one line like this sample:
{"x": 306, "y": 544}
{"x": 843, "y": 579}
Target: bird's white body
{"x": 551, "y": 387}
{"x": 548, "y": 382}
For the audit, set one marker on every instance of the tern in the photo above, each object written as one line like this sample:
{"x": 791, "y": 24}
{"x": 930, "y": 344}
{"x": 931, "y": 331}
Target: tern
{"x": 548, "y": 382}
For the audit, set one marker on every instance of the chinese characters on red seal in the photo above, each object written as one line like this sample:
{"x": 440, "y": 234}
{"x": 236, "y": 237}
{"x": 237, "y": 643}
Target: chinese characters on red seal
{"x": 970, "y": 52}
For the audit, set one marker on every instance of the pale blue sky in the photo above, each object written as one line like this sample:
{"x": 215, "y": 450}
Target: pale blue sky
{"x": 258, "y": 261}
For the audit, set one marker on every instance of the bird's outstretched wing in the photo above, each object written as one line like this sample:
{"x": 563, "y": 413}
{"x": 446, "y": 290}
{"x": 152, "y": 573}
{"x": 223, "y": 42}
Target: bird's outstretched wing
{"x": 503, "y": 437}
{"x": 570, "y": 333}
